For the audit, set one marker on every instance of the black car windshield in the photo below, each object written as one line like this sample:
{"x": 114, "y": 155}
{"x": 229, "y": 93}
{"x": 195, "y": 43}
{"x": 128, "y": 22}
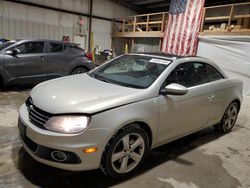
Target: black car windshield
{"x": 136, "y": 71}
{"x": 5, "y": 45}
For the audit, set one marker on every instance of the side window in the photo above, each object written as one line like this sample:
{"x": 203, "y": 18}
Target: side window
{"x": 213, "y": 74}
{"x": 30, "y": 48}
{"x": 55, "y": 47}
{"x": 188, "y": 74}
{"x": 201, "y": 76}
{"x": 183, "y": 74}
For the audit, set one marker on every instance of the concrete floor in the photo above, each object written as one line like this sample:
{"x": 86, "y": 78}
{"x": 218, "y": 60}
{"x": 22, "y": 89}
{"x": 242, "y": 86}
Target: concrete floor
{"x": 204, "y": 159}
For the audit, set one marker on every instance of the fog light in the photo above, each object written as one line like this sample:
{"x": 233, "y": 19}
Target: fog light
{"x": 90, "y": 150}
{"x": 58, "y": 156}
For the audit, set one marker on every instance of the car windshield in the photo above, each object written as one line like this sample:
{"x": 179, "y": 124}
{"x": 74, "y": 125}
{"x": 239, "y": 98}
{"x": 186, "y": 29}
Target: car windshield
{"x": 5, "y": 45}
{"x": 136, "y": 71}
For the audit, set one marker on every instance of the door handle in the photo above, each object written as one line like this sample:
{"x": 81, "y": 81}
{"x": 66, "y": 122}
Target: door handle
{"x": 211, "y": 97}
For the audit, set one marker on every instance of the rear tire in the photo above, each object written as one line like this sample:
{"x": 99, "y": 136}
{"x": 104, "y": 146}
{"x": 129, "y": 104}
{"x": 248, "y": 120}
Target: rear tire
{"x": 229, "y": 118}
{"x": 79, "y": 70}
{"x": 125, "y": 152}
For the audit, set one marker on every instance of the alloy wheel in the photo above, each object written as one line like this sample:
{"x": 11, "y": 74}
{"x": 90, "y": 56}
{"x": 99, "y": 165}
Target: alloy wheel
{"x": 230, "y": 117}
{"x": 128, "y": 153}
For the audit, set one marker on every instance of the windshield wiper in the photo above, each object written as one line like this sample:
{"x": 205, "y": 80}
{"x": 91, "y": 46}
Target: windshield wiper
{"x": 91, "y": 75}
{"x": 104, "y": 80}
{"x": 100, "y": 78}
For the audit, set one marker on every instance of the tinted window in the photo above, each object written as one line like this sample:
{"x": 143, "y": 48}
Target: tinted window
{"x": 200, "y": 76}
{"x": 55, "y": 47}
{"x": 30, "y": 48}
{"x": 74, "y": 48}
{"x": 213, "y": 74}
{"x": 188, "y": 74}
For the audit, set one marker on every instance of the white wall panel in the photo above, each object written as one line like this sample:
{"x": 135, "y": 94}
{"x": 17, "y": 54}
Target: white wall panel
{"x": 23, "y": 21}
{"x": 51, "y": 17}
{"x": 1, "y": 24}
{"x": 50, "y": 29}
{"x": 81, "y": 6}
{"x": 46, "y": 31}
{"x": 16, "y": 11}
{"x": 51, "y": 3}
{"x": 12, "y": 28}
{"x": 73, "y": 5}
{"x": 18, "y": 29}
{"x": 35, "y": 15}
{"x": 6, "y": 28}
{"x": 30, "y": 30}
{"x": 102, "y": 33}
{"x": 110, "y": 9}
{"x": 35, "y": 30}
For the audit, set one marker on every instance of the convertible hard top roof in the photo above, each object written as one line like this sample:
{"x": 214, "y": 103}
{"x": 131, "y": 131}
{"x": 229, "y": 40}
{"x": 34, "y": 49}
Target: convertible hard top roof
{"x": 159, "y": 54}
{"x": 170, "y": 56}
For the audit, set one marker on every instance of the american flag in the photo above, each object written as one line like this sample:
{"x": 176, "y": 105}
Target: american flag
{"x": 182, "y": 27}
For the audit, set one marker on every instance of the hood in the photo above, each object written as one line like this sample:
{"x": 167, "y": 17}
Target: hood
{"x": 82, "y": 94}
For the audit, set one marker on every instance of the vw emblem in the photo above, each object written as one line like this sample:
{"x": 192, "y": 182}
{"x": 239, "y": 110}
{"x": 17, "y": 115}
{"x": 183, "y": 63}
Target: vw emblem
{"x": 31, "y": 107}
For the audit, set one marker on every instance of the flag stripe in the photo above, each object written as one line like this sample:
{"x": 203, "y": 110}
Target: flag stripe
{"x": 197, "y": 32}
{"x": 179, "y": 35}
{"x": 190, "y": 34}
{"x": 189, "y": 25}
{"x": 182, "y": 28}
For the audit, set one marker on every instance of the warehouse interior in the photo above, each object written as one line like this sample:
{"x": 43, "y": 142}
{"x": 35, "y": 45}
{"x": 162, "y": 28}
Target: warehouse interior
{"x": 106, "y": 29}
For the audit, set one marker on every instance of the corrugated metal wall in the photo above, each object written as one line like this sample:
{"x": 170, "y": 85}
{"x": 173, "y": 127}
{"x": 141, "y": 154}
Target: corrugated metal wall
{"x": 22, "y": 21}
{"x": 146, "y": 45}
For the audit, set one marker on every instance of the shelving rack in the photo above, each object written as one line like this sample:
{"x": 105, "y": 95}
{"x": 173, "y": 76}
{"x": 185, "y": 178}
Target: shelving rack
{"x": 144, "y": 25}
{"x": 226, "y": 19}
{"x": 231, "y": 19}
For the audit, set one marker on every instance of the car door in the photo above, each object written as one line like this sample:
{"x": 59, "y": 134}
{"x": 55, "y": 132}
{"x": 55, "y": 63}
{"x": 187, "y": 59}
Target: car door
{"x": 180, "y": 115}
{"x": 220, "y": 89}
{"x": 56, "y": 59}
{"x": 28, "y": 65}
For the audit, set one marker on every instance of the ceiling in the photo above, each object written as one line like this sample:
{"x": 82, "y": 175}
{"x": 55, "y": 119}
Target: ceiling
{"x": 150, "y": 6}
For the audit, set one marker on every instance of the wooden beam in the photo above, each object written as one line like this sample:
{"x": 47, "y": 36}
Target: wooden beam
{"x": 227, "y": 5}
{"x": 152, "y": 34}
{"x": 230, "y": 18}
{"x": 239, "y": 32}
{"x": 203, "y": 18}
{"x": 217, "y": 18}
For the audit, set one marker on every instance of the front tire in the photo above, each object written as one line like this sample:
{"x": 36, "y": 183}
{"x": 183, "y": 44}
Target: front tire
{"x": 229, "y": 118}
{"x": 125, "y": 152}
{"x": 79, "y": 70}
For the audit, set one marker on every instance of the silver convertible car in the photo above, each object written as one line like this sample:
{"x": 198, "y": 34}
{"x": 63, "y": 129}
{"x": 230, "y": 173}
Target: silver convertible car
{"x": 112, "y": 116}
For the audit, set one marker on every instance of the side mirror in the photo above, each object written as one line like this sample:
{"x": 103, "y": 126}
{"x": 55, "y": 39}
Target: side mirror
{"x": 12, "y": 52}
{"x": 174, "y": 89}
{"x": 9, "y": 52}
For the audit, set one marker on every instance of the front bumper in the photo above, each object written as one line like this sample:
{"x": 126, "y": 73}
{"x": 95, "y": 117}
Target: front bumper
{"x": 40, "y": 143}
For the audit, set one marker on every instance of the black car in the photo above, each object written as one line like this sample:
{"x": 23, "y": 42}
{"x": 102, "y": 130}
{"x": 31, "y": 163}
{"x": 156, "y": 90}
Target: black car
{"x": 34, "y": 61}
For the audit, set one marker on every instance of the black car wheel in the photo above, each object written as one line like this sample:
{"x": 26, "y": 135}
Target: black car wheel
{"x": 125, "y": 152}
{"x": 79, "y": 70}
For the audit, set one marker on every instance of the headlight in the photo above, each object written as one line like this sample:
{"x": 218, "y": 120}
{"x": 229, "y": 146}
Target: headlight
{"x": 67, "y": 124}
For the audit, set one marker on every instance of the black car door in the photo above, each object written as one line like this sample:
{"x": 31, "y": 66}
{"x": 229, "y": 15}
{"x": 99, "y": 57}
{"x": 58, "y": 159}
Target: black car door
{"x": 56, "y": 59}
{"x": 29, "y": 65}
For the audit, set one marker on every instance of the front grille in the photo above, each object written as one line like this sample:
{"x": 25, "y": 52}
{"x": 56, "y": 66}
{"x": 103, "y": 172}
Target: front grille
{"x": 37, "y": 116}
